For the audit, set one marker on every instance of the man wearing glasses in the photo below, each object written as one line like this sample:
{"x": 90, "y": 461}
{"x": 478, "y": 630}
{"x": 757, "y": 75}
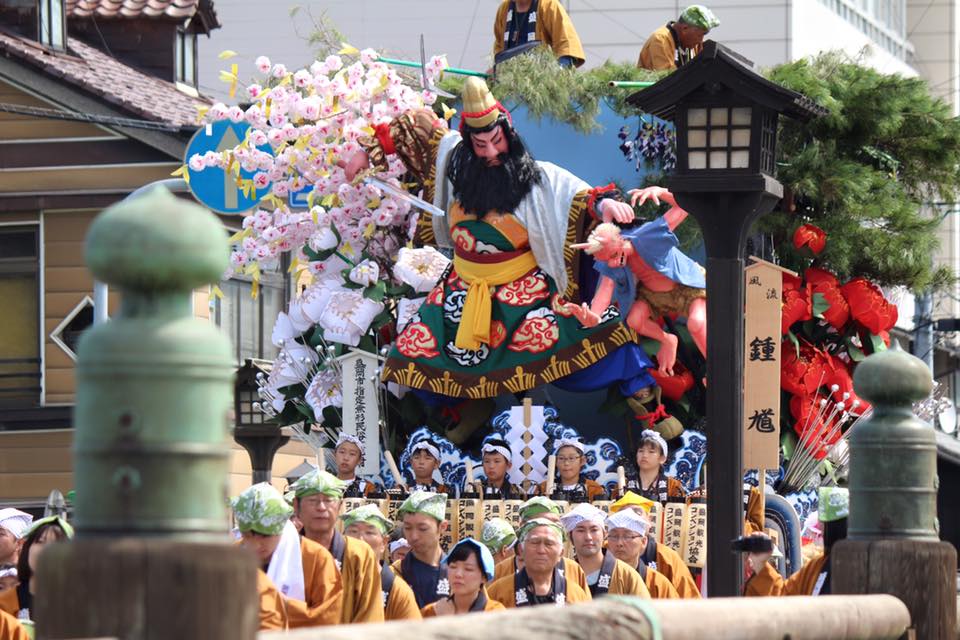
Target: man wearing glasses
{"x": 626, "y": 539}
{"x": 605, "y": 574}
{"x": 316, "y": 501}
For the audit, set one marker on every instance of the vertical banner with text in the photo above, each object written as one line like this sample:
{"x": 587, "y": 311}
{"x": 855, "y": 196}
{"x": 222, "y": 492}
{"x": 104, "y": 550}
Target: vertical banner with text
{"x": 361, "y": 417}
{"x": 761, "y": 366}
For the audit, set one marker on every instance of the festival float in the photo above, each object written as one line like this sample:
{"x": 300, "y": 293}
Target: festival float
{"x": 426, "y": 318}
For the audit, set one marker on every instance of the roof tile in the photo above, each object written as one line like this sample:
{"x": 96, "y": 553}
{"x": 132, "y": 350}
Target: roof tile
{"x": 132, "y": 8}
{"x": 94, "y": 71}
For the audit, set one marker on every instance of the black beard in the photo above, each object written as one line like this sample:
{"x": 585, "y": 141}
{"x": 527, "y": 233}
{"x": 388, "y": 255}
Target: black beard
{"x": 480, "y": 188}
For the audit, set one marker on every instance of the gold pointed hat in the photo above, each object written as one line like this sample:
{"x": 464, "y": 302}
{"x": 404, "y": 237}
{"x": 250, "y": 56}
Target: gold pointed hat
{"x": 480, "y": 108}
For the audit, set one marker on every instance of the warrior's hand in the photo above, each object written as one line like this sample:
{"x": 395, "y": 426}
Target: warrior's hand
{"x": 583, "y": 313}
{"x": 616, "y": 211}
{"x": 639, "y": 196}
{"x": 354, "y": 164}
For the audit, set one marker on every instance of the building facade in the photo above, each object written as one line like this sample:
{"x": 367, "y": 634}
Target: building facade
{"x": 97, "y": 99}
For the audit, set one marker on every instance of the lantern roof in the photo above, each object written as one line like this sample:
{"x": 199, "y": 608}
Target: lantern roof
{"x": 719, "y": 65}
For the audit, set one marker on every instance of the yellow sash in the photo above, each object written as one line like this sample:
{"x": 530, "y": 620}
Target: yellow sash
{"x": 475, "y": 322}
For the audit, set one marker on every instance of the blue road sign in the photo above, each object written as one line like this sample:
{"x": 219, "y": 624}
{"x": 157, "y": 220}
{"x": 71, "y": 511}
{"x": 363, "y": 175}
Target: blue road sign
{"x": 213, "y": 186}
{"x": 300, "y": 199}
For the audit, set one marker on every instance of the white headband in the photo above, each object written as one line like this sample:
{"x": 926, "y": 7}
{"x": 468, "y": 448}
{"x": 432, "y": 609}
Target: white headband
{"x": 15, "y": 521}
{"x": 583, "y": 512}
{"x": 423, "y": 445}
{"x": 399, "y": 544}
{"x": 496, "y": 448}
{"x": 9, "y": 572}
{"x": 627, "y": 519}
{"x": 650, "y": 434}
{"x": 568, "y": 442}
{"x": 352, "y": 439}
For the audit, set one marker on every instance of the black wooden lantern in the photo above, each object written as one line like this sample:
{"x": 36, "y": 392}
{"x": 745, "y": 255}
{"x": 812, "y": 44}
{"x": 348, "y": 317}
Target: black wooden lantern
{"x": 725, "y": 114}
{"x": 251, "y": 429}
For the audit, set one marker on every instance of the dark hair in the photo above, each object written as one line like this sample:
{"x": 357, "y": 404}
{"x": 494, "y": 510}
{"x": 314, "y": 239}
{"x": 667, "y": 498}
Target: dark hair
{"x": 833, "y": 532}
{"x": 496, "y": 442}
{"x": 24, "y": 573}
{"x": 463, "y": 551}
{"x": 480, "y": 188}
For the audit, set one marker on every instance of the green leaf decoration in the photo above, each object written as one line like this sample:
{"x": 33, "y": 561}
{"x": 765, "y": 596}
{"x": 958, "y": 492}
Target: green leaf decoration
{"x": 820, "y": 305}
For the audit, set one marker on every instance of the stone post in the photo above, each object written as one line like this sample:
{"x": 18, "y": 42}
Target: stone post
{"x": 892, "y": 543}
{"x": 152, "y": 558}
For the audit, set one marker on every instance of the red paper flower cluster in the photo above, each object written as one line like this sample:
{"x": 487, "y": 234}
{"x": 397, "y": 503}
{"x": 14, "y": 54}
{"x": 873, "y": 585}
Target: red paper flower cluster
{"x": 810, "y": 236}
{"x": 829, "y": 328}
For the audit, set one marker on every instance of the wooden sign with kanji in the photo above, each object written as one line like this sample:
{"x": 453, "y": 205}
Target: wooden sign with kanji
{"x": 761, "y": 365}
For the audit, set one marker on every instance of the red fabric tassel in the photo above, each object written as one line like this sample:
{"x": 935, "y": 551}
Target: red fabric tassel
{"x": 658, "y": 414}
{"x": 382, "y": 131}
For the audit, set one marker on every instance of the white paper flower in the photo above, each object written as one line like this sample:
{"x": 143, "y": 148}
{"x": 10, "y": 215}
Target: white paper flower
{"x": 324, "y": 391}
{"x": 366, "y": 273}
{"x": 284, "y": 330}
{"x": 323, "y": 239}
{"x": 348, "y": 316}
{"x": 420, "y": 268}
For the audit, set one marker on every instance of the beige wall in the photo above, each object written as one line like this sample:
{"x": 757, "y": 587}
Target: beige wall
{"x": 33, "y": 463}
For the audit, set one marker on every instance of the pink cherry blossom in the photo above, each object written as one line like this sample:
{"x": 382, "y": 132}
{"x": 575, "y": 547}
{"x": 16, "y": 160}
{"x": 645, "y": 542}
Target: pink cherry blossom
{"x": 263, "y": 64}
{"x": 333, "y": 63}
{"x": 258, "y": 138}
{"x": 302, "y": 78}
{"x": 261, "y": 180}
{"x": 278, "y": 71}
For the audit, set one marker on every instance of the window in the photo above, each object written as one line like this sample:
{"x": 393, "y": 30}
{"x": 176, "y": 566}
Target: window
{"x": 20, "y": 337}
{"x": 883, "y": 21}
{"x": 248, "y": 321}
{"x": 185, "y": 58}
{"x": 53, "y": 24}
{"x": 718, "y": 137}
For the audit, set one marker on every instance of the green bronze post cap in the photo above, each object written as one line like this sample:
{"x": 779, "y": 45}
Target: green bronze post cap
{"x": 893, "y": 377}
{"x": 157, "y": 242}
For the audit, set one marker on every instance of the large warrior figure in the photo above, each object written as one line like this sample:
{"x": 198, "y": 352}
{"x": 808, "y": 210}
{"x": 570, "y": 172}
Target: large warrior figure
{"x": 498, "y": 321}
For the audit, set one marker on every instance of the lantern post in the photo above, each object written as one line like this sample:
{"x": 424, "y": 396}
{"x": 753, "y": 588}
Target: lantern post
{"x": 726, "y": 118}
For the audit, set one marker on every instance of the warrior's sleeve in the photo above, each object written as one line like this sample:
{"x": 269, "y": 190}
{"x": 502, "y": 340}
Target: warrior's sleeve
{"x": 413, "y": 137}
{"x": 595, "y": 195}
{"x": 582, "y": 219}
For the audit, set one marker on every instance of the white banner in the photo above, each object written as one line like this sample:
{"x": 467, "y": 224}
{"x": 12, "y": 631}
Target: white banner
{"x": 361, "y": 417}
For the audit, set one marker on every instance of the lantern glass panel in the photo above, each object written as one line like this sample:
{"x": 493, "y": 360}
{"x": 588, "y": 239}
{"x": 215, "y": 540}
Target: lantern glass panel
{"x": 740, "y": 159}
{"x": 718, "y": 116}
{"x": 697, "y": 118}
{"x": 740, "y": 138}
{"x": 718, "y": 138}
{"x": 718, "y": 159}
{"x": 697, "y": 160}
{"x": 697, "y": 138}
{"x": 740, "y": 115}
